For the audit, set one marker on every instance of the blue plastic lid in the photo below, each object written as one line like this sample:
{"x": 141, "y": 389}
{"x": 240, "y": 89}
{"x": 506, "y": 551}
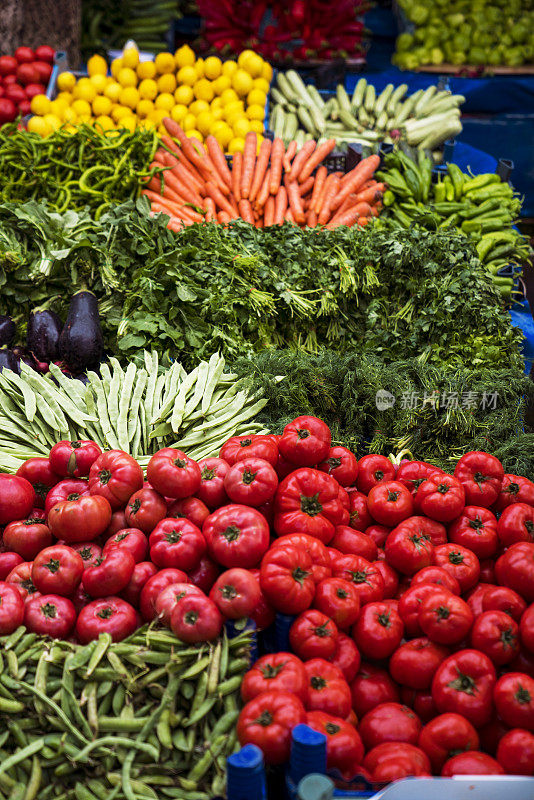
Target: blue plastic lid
{"x": 246, "y": 774}
{"x": 308, "y": 752}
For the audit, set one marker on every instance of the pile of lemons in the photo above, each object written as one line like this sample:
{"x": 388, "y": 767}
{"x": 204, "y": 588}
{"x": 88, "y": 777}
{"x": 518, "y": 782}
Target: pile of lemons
{"x": 205, "y": 96}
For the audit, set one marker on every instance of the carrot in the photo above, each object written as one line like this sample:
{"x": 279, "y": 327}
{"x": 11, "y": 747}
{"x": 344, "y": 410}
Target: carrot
{"x": 211, "y": 211}
{"x": 263, "y": 193}
{"x": 305, "y": 187}
{"x": 170, "y": 144}
{"x": 348, "y": 203}
{"x": 177, "y": 211}
{"x": 177, "y": 225}
{"x": 280, "y": 205}
{"x": 362, "y": 222}
{"x": 182, "y": 186}
{"x": 220, "y": 200}
{"x": 170, "y": 194}
{"x": 295, "y": 202}
{"x": 311, "y": 219}
{"x": 261, "y": 168}
{"x": 249, "y": 162}
{"x": 268, "y": 218}
{"x": 277, "y": 155}
{"x": 290, "y": 155}
{"x": 330, "y": 194}
{"x": 187, "y": 148}
{"x": 288, "y": 216}
{"x": 370, "y": 195}
{"x": 217, "y": 157}
{"x": 237, "y": 168}
{"x": 351, "y": 216}
{"x": 215, "y": 177}
{"x": 184, "y": 173}
{"x": 315, "y": 159}
{"x": 245, "y": 211}
{"x": 359, "y": 175}
{"x": 375, "y": 209}
{"x": 301, "y": 158}
{"x": 320, "y": 177}
{"x": 223, "y": 217}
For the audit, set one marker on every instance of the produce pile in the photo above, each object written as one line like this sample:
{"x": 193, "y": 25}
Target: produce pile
{"x": 274, "y": 187}
{"x": 22, "y": 76}
{"x": 425, "y": 118}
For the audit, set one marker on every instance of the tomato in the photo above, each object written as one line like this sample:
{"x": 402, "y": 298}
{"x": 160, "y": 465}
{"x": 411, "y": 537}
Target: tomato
{"x": 17, "y": 498}
{"x": 371, "y": 687}
{"x": 41, "y": 476}
{"x": 464, "y": 684}
{"x": 236, "y": 535}
{"x": 267, "y": 721}
{"x": 211, "y": 490}
{"x": 205, "y": 574}
{"x": 313, "y": 635}
{"x": 502, "y": 598}
{"x": 497, "y": 635}
{"x": 514, "y": 489}
{"x": 359, "y": 517}
{"x": 171, "y": 595}
{"x": 438, "y": 576}
{"x": 50, "y": 615}
{"x": 239, "y": 447}
{"x": 27, "y": 537}
{"x": 414, "y": 663}
{"x": 327, "y": 689}
{"x": 390, "y": 578}
{"x": 365, "y": 576}
{"x": 515, "y": 752}
{"x": 445, "y": 617}
{"x": 344, "y": 746}
{"x": 173, "y": 474}
{"x": 45, "y": 53}
{"x": 190, "y": 508}
{"x": 487, "y": 571}
{"x": 57, "y": 570}
{"x": 89, "y": 552}
{"x": 79, "y": 518}
{"x": 459, "y": 562}
{"x": 481, "y": 475}
{"x": 516, "y": 524}
{"x": 440, "y": 497}
{"x": 389, "y": 503}
{"x": 177, "y": 543}
{"x": 472, "y": 763}
{"x": 74, "y": 459}
{"x": 523, "y": 663}
{"x": 476, "y": 529}
{"x": 11, "y": 608}
{"x": 196, "y": 619}
{"x": 339, "y": 600}
{"x": 341, "y": 464}
{"x": 514, "y": 700}
{"x": 410, "y": 604}
{"x": 526, "y": 628}
{"x": 371, "y": 470}
{"x": 275, "y": 672}
{"x": 305, "y": 441}
{"x": 111, "y": 575}
{"x": 408, "y": 549}
{"x": 312, "y": 502}
{"x": 515, "y": 569}
{"x": 63, "y": 490}
{"x": 413, "y": 473}
{"x": 236, "y": 593}
{"x": 8, "y": 65}
{"x": 21, "y": 576}
{"x": 378, "y": 533}
{"x": 391, "y": 761}
{"x": 346, "y": 656}
{"x": 145, "y": 509}
{"x": 106, "y": 615}
{"x": 131, "y": 539}
{"x": 389, "y": 722}
{"x": 152, "y": 588}
{"x": 379, "y": 630}
{"x": 251, "y": 482}
{"x": 24, "y": 55}
{"x": 421, "y": 701}
{"x": 321, "y": 562}
{"x": 286, "y": 579}
{"x": 116, "y": 476}
{"x": 446, "y": 736}
{"x": 143, "y": 571}
{"x": 263, "y": 614}
{"x": 8, "y": 561}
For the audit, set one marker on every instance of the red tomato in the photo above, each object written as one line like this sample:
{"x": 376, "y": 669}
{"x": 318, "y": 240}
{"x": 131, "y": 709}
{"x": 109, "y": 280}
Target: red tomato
{"x": 89, "y": 552}
{"x": 146, "y": 508}
{"x": 141, "y": 574}
{"x": 205, "y": 574}
{"x": 410, "y": 604}
{"x": 65, "y": 490}
{"x": 118, "y": 523}
{"x": 365, "y": 576}
{"x": 111, "y": 575}
{"x": 21, "y": 576}
{"x": 211, "y": 490}
{"x": 445, "y": 736}
{"x": 371, "y": 687}
{"x": 116, "y": 476}
{"x": 341, "y": 464}
{"x": 476, "y": 529}
{"x": 236, "y": 593}
{"x": 414, "y": 663}
{"x": 514, "y": 489}
{"x": 43, "y": 71}
{"x": 239, "y": 447}
{"x": 268, "y": 721}
{"x": 464, "y": 684}
{"x": 389, "y": 722}
{"x": 8, "y": 65}
{"x": 327, "y": 689}
{"x": 421, "y": 701}
{"x": 131, "y": 539}
{"x": 196, "y": 619}
{"x": 390, "y": 578}
{"x": 190, "y": 508}
{"x": 437, "y": 576}
{"x": 236, "y": 535}
{"x": 391, "y": 761}
{"x": 390, "y": 503}
{"x": 8, "y": 562}
{"x": 263, "y": 614}
{"x": 371, "y": 470}
{"x": 74, "y": 459}
{"x": 106, "y": 615}
{"x": 475, "y": 596}
{"x": 359, "y": 517}
{"x": 8, "y": 109}
{"x": 523, "y": 663}
{"x": 413, "y": 473}
{"x": 472, "y": 763}
{"x": 251, "y": 482}
{"x": 171, "y": 595}
{"x": 378, "y": 533}
{"x": 516, "y": 524}
{"x": 177, "y": 543}
{"x": 344, "y": 746}
{"x": 408, "y": 548}
{"x": 11, "y": 608}
{"x": 50, "y": 615}
{"x": 24, "y": 55}
{"x": 379, "y": 630}
{"x": 514, "y": 700}
{"x": 27, "y": 538}
{"x": 445, "y": 617}
{"x": 526, "y": 628}
{"x": 45, "y": 53}
{"x": 435, "y": 531}
{"x": 309, "y": 501}
{"x": 286, "y": 579}
{"x": 497, "y": 635}
{"x": 502, "y": 598}
{"x": 481, "y": 475}
{"x": 459, "y": 562}
{"x": 305, "y": 442}
{"x": 346, "y": 657}
{"x": 173, "y": 474}
{"x": 41, "y": 476}
{"x": 152, "y": 588}
{"x": 487, "y": 571}
{"x": 441, "y": 497}
{"x": 57, "y": 570}
{"x": 275, "y": 672}
{"x": 515, "y": 752}
{"x": 313, "y": 635}
{"x": 321, "y": 562}
{"x": 339, "y": 600}
{"x": 515, "y": 569}
{"x": 17, "y": 498}
{"x": 80, "y": 519}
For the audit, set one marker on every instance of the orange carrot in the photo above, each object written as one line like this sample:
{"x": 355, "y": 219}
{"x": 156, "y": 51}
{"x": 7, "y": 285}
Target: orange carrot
{"x": 211, "y": 211}
{"x": 155, "y": 186}
{"x": 187, "y": 148}
{"x": 359, "y": 175}
{"x": 295, "y": 202}
{"x": 311, "y": 219}
{"x": 320, "y": 177}
{"x": 261, "y": 168}
{"x": 301, "y": 158}
{"x": 375, "y": 209}
{"x": 290, "y": 155}
{"x": 315, "y": 159}
{"x": 169, "y": 195}
{"x": 350, "y": 217}
{"x": 268, "y": 218}
{"x": 182, "y": 186}
{"x": 371, "y": 194}
{"x": 289, "y": 216}
{"x": 186, "y": 174}
{"x": 217, "y": 156}
{"x": 280, "y": 205}
{"x": 348, "y": 203}
{"x": 362, "y": 222}
{"x": 249, "y": 162}
{"x": 237, "y": 169}
{"x": 220, "y": 200}
{"x": 177, "y": 211}
{"x": 330, "y": 193}
{"x": 263, "y": 193}
{"x": 245, "y": 210}
{"x": 223, "y": 217}
{"x": 305, "y": 187}
{"x": 277, "y": 155}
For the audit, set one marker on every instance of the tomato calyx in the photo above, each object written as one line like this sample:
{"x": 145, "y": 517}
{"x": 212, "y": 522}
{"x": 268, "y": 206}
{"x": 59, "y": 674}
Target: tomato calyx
{"x": 512, "y": 488}
{"x": 53, "y": 565}
{"x": 207, "y": 474}
{"x": 378, "y": 474}
{"x": 508, "y": 638}
{"x": 28, "y": 585}
{"x": 332, "y": 728}
{"x": 191, "y": 617}
{"x": 173, "y": 537}
{"x": 104, "y": 476}
{"x": 322, "y": 630}
{"x": 73, "y": 496}
{"x": 529, "y": 525}
{"x": 120, "y": 537}
{"x": 232, "y": 533}
{"x": 41, "y": 489}
{"x": 265, "y": 719}
{"x": 272, "y": 670}
{"x": 310, "y": 505}
{"x": 443, "y": 612}
{"x": 416, "y": 539}
{"x": 49, "y": 610}
{"x": 464, "y": 683}
{"x": 384, "y": 619}
{"x": 333, "y": 463}
{"x": 303, "y": 433}
{"x": 76, "y": 444}
{"x": 105, "y": 613}
{"x": 479, "y": 479}
{"x": 522, "y": 695}
{"x": 392, "y": 496}
{"x": 248, "y": 476}
{"x": 341, "y": 593}
{"x": 359, "y": 576}
{"x": 299, "y": 575}
{"x": 416, "y": 482}
{"x": 85, "y": 553}
{"x": 455, "y": 557}
{"x": 317, "y": 682}
{"x": 476, "y": 523}
{"x": 180, "y": 463}
{"x": 245, "y": 442}
{"x": 443, "y": 488}
{"x": 135, "y": 506}
{"x": 228, "y": 591}
{"x": 34, "y": 521}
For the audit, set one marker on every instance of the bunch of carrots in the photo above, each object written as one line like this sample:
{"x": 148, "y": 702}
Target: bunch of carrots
{"x": 265, "y": 186}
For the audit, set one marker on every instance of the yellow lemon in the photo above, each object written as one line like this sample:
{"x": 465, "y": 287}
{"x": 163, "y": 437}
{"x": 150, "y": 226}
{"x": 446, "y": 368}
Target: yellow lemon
{"x": 199, "y": 67}
{"x": 164, "y": 101}
{"x": 184, "y": 95}
{"x": 145, "y": 69}
{"x": 127, "y": 77}
{"x": 221, "y": 83}
{"x": 129, "y": 96}
{"x": 166, "y": 83}
{"x": 112, "y": 133}
{"x": 212, "y": 67}
{"x": 267, "y": 72}
{"x": 113, "y": 90}
{"x": 84, "y": 119}
{"x": 69, "y": 127}
{"x": 189, "y": 122}
{"x": 261, "y": 84}
{"x": 53, "y": 121}
{"x": 255, "y": 97}
{"x": 241, "y": 127}
{"x": 243, "y": 56}
{"x": 178, "y": 113}
{"x": 236, "y": 106}
{"x": 69, "y": 115}
{"x": 129, "y": 123}
{"x": 40, "y": 104}
{"x": 216, "y": 103}
{"x": 66, "y": 81}
{"x": 99, "y": 82}
{"x": 228, "y": 96}
{"x": 198, "y": 106}
{"x": 186, "y": 76}
{"x": 144, "y": 107}
{"x": 97, "y": 65}
{"x": 147, "y": 123}
{"x": 162, "y": 130}
{"x": 195, "y": 134}
{"x": 102, "y": 106}
{"x": 217, "y": 113}
{"x": 39, "y": 125}
{"x": 82, "y": 108}
{"x": 103, "y": 122}
{"x": 256, "y": 112}
{"x": 148, "y": 89}
{"x": 253, "y": 64}
{"x": 241, "y": 82}
{"x": 84, "y": 90}
{"x": 224, "y": 135}
{"x": 204, "y": 122}
{"x": 229, "y": 67}
{"x": 66, "y": 97}
{"x": 118, "y": 112}
{"x": 236, "y": 145}
{"x": 256, "y": 126}
{"x": 157, "y": 116}
{"x": 116, "y": 66}
{"x": 184, "y": 57}
{"x": 204, "y": 90}
{"x": 130, "y": 57}
{"x": 165, "y": 63}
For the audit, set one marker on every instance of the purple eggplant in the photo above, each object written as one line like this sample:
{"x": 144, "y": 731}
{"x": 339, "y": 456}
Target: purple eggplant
{"x": 8, "y": 360}
{"x": 42, "y": 338}
{"x": 81, "y": 344}
{"x": 7, "y": 330}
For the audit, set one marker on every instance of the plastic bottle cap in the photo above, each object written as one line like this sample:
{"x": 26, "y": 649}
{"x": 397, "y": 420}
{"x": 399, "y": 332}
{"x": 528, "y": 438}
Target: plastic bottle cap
{"x": 315, "y": 787}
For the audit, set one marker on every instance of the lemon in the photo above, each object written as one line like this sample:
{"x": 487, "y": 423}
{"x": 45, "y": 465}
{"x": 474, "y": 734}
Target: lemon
{"x": 204, "y": 122}
{"x": 195, "y": 134}
{"x": 157, "y": 116}
{"x": 165, "y": 63}
{"x": 102, "y": 106}
{"x": 116, "y": 66}
{"x": 130, "y": 57}
{"x": 199, "y": 67}
{"x": 229, "y": 67}
{"x": 267, "y": 71}
{"x": 84, "y": 119}
{"x": 40, "y": 105}
{"x": 256, "y": 97}
{"x": 252, "y": 63}
{"x": 66, "y": 81}
{"x": 216, "y": 103}
{"x": 97, "y": 66}
{"x": 144, "y": 107}
{"x": 118, "y": 112}
{"x": 166, "y": 83}
{"x": 203, "y": 90}
{"x": 198, "y": 106}
{"x": 84, "y": 90}
{"x": 127, "y": 77}
{"x": 39, "y": 125}
{"x": 128, "y": 122}
{"x": 236, "y": 145}
{"x": 103, "y": 122}
{"x": 129, "y": 96}
{"x": 148, "y": 89}
{"x": 178, "y": 113}
{"x": 241, "y": 127}
{"x": 224, "y": 136}
{"x": 235, "y": 106}
{"x": 113, "y": 90}
{"x": 256, "y": 112}
{"x": 165, "y": 101}
{"x": 243, "y": 56}
{"x": 145, "y": 69}
{"x": 69, "y": 127}
{"x": 99, "y": 82}
{"x": 53, "y": 121}
{"x": 69, "y": 115}
{"x": 212, "y": 67}
{"x": 189, "y": 122}
{"x": 184, "y": 57}
{"x": 217, "y": 113}
{"x": 65, "y": 97}
{"x": 256, "y": 126}
{"x": 228, "y": 96}
{"x": 82, "y": 108}
{"x": 184, "y": 95}
{"x": 241, "y": 82}
{"x": 112, "y": 133}
{"x": 186, "y": 76}
{"x": 261, "y": 84}
{"x": 147, "y": 123}
{"x": 259, "y": 140}
{"x": 221, "y": 83}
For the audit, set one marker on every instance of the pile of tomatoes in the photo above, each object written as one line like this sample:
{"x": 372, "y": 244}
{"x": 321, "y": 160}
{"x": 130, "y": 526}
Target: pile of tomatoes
{"x": 22, "y": 76}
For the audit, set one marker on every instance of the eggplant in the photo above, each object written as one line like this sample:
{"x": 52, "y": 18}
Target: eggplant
{"x": 42, "y": 338}
{"x": 81, "y": 344}
{"x": 8, "y": 360}
{"x": 7, "y": 330}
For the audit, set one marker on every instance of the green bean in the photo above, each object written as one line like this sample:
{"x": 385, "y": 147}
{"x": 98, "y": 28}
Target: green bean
{"x": 34, "y": 782}
{"x": 104, "y": 641}
{"x": 21, "y": 755}
{"x": 59, "y": 713}
{"x": 13, "y": 638}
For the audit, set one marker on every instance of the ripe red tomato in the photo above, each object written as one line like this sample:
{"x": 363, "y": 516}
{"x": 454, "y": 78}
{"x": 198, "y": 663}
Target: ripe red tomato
{"x": 211, "y": 490}
{"x": 410, "y": 603}
{"x": 8, "y": 65}
{"x": 152, "y": 588}
{"x": 74, "y": 459}
{"x": 413, "y": 473}
{"x": 267, "y": 721}
{"x": 251, "y": 482}
{"x": 415, "y": 662}
{"x": 263, "y": 614}
{"x": 515, "y": 569}
{"x": 80, "y": 519}
{"x": 371, "y": 470}
{"x": 41, "y": 476}
{"x": 43, "y": 71}
{"x": 312, "y": 502}
{"x": 421, "y": 701}
{"x": 464, "y": 684}
{"x": 111, "y": 615}
{"x": 476, "y": 529}
{"x": 359, "y": 517}
{"x": 346, "y": 657}
{"x": 89, "y": 553}
{"x": 339, "y": 600}
{"x": 21, "y": 576}
{"x": 239, "y": 447}
{"x": 344, "y": 746}
{"x": 515, "y": 752}
{"x": 116, "y": 476}
{"x": 502, "y": 598}
{"x": 145, "y": 509}
{"x": 171, "y": 595}
{"x": 390, "y": 578}
{"x": 526, "y": 628}
{"x": 497, "y": 635}
{"x": 275, "y": 672}
{"x": 24, "y": 107}
{"x": 341, "y": 464}
{"x": 8, "y": 109}
{"x": 27, "y": 538}
{"x": 177, "y": 543}
{"x": 354, "y": 542}
{"x": 286, "y": 579}
{"x": 173, "y": 474}
{"x": 379, "y": 630}
{"x": 111, "y": 575}
{"x": 8, "y": 562}
{"x": 514, "y": 489}
{"x": 45, "y": 53}
{"x": 514, "y": 700}
{"x": 445, "y": 736}
{"x": 472, "y": 763}
{"x": 327, "y": 689}
{"x": 236, "y": 535}
{"x": 391, "y": 761}
{"x": 371, "y": 687}
{"x": 321, "y": 561}
{"x": 190, "y": 508}
{"x": 57, "y": 570}
{"x": 481, "y": 475}
{"x": 205, "y": 574}
{"x": 313, "y": 635}
{"x": 50, "y": 615}
{"x": 236, "y": 593}
{"x": 63, "y": 491}
{"x": 516, "y": 524}
{"x": 437, "y": 576}
{"x": 196, "y": 619}
{"x": 305, "y": 441}
{"x": 131, "y": 539}
{"x": 365, "y": 577}
{"x": 440, "y": 497}
{"x": 445, "y": 617}
{"x": 389, "y": 503}
{"x": 17, "y": 498}
{"x": 24, "y": 55}
{"x": 459, "y": 562}
{"x": 11, "y": 608}
{"x": 408, "y": 548}
{"x": 389, "y": 722}
{"x": 140, "y": 576}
